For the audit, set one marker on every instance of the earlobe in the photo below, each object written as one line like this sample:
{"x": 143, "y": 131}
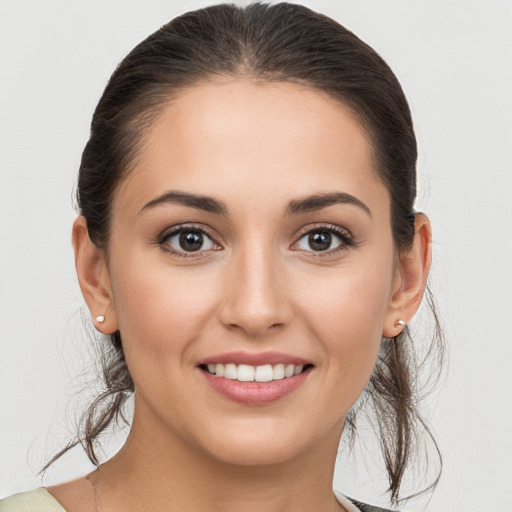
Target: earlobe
{"x": 93, "y": 277}
{"x": 413, "y": 268}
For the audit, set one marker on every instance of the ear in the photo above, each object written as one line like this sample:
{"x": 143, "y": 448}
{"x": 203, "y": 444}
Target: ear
{"x": 411, "y": 277}
{"x": 93, "y": 276}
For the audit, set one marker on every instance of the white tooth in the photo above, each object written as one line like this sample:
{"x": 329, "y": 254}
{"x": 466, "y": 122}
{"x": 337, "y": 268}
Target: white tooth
{"x": 230, "y": 371}
{"x": 298, "y": 369}
{"x": 264, "y": 373}
{"x": 219, "y": 370}
{"x": 278, "y": 372}
{"x": 288, "y": 372}
{"x": 245, "y": 373}
{"x": 211, "y": 368}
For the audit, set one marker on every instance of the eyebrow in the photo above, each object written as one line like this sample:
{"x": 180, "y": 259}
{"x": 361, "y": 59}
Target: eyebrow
{"x": 205, "y": 203}
{"x": 319, "y": 201}
{"x": 209, "y": 204}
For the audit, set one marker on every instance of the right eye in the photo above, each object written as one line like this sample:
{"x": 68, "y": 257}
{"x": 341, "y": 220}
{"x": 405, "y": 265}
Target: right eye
{"x": 188, "y": 240}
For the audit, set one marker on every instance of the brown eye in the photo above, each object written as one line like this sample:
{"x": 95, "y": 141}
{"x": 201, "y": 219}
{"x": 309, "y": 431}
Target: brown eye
{"x": 319, "y": 240}
{"x": 189, "y": 240}
{"x": 325, "y": 240}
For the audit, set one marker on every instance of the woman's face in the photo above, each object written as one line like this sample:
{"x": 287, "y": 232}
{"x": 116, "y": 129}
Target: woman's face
{"x": 251, "y": 238}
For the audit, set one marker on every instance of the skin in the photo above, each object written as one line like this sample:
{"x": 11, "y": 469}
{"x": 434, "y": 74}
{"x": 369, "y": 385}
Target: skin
{"x": 257, "y": 287}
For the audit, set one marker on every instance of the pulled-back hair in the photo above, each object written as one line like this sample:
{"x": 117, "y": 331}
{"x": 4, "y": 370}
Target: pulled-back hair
{"x": 282, "y": 42}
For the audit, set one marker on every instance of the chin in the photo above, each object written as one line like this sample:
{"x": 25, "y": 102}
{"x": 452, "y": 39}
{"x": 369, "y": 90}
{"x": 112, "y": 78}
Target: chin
{"x": 263, "y": 444}
{"x": 258, "y": 453}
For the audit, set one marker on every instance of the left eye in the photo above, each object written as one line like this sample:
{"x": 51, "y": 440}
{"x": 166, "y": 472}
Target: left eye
{"x": 319, "y": 240}
{"x": 190, "y": 240}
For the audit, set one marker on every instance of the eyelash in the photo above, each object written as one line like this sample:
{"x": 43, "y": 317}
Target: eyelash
{"x": 183, "y": 228}
{"x": 344, "y": 236}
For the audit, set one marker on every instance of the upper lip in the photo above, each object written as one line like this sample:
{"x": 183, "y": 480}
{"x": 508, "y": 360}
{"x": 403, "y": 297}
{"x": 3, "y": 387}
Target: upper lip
{"x": 254, "y": 359}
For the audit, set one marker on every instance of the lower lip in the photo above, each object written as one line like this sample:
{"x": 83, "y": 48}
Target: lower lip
{"x": 255, "y": 393}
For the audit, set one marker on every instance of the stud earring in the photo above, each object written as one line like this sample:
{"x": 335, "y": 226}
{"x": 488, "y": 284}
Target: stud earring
{"x": 100, "y": 319}
{"x": 400, "y": 323}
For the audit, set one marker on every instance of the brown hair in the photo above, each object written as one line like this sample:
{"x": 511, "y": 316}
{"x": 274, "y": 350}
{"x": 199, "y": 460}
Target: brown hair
{"x": 282, "y": 42}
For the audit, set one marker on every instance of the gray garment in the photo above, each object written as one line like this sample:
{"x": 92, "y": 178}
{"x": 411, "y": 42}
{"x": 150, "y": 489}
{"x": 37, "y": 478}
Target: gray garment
{"x": 363, "y": 507}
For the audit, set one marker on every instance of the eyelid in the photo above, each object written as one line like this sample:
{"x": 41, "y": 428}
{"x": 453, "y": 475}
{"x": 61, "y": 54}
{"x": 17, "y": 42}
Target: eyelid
{"x": 318, "y": 226}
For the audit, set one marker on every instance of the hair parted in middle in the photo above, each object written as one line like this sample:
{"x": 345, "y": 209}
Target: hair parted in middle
{"x": 269, "y": 43}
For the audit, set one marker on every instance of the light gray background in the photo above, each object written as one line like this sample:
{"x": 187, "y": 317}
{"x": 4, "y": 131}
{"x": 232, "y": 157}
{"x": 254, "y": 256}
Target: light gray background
{"x": 454, "y": 60}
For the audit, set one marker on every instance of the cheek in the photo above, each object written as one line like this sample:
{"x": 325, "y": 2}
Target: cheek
{"x": 345, "y": 314}
{"x": 160, "y": 309}
{"x": 349, "y": 300}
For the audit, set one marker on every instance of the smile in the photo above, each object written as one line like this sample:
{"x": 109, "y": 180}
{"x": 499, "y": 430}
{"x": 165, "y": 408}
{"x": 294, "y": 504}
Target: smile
{"x": 248, "y": 373}
{"x": 255, "y": 379}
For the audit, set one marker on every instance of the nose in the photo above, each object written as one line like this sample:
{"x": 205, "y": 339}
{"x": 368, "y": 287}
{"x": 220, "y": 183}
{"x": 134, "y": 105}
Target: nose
{"x": 255, "y": 297}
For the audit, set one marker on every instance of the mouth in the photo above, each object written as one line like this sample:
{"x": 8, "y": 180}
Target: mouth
{"x": 250, "y": 373}
{"x": 255, "y": 379}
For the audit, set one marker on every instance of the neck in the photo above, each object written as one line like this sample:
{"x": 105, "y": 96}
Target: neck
{"x": 157, "y": 471}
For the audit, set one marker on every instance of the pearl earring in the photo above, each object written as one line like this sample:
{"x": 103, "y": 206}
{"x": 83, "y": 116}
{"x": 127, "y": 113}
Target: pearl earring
{"x": 400, "y": 323}
{"x": 100, "y": 319}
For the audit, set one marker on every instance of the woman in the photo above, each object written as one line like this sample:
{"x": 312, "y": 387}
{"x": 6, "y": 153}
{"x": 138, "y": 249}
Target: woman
{"x": 247, "y": 241}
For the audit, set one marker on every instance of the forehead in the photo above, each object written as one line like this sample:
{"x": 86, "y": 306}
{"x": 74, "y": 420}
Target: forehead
{"x": 236, "y": 135}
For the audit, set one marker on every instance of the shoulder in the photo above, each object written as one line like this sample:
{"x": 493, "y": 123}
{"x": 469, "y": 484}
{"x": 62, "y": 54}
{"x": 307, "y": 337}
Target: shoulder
{"x": 39, "y": 500}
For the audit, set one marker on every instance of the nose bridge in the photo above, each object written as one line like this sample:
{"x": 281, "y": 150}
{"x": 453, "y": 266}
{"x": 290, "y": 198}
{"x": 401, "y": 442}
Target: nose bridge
{"x": 255, "y": 298}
